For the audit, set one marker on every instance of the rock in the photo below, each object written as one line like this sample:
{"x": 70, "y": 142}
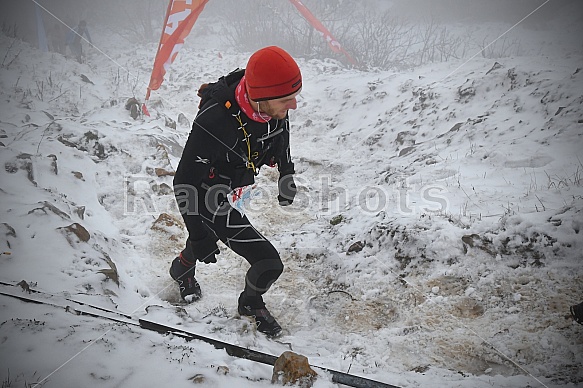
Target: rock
{"x": 169, "y": 225}
{"x": 54, "y": 167}
{"x": 336, "y": 220}
{"x": 405, "y": 138}
{"x": 165, "y": 219}
{"x": 355, "y": 247}
{"x": 162, "y": 172}
{"x": 198, "y": 379}
{"x": 133, "y": 106}
{"x": 170, "y": 123}
{"x": 80, "y": 211}
{"x": 135, "y": 111}
{"x": 75, "y": 230}
{"x": 183, "y": 120}
{"x": 162, "y": 189}
{"x": 293, "y": 369}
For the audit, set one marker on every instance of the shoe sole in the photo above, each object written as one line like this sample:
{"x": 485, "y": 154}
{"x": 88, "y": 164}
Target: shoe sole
{"x": 251, "y": 319}
{"x": 192, "y": 298}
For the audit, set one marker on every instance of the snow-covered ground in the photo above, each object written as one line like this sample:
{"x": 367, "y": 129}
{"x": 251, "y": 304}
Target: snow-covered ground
{"x": 435, "y": 240}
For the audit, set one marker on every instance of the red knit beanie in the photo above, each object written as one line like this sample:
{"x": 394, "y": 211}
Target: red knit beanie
{"x": 272, "y": 73}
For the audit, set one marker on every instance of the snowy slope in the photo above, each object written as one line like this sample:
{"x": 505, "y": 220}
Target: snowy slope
{"x": 435, "y": 240}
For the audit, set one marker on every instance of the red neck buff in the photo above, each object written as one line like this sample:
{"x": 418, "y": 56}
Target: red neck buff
{"x": 243, "y": 101}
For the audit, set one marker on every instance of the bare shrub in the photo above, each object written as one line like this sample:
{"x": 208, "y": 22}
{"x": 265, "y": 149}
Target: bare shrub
{"x": 499, "y": 48}
{"x": 142, "y": 19}
{"x": 381, "y": 40}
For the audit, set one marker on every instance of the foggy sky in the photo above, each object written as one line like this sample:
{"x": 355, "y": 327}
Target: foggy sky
{"x": 118, "y": 14}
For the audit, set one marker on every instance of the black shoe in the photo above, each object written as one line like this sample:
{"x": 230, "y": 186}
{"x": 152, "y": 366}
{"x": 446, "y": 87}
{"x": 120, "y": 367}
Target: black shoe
{"x": 189, "y": 288}
{"x": 577, "y": 313}
{"x": 263, "y": 319}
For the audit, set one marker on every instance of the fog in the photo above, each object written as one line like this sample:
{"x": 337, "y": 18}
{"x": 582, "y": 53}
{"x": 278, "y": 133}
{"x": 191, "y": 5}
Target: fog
{"x": 375, "y": 31}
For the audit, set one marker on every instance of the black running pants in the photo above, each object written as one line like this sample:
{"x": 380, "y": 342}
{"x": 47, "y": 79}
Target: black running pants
{"x": 234, "y": 230}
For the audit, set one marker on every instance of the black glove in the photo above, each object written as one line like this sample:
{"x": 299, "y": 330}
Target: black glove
{"x": 205, "y": 249}
{"x": 287, "y": 189}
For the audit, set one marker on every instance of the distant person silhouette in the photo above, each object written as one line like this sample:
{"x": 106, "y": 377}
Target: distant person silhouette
{"x": 74, "y": 40}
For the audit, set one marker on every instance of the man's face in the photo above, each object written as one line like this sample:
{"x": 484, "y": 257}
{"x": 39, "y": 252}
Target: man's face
{"x": 278, "y": 108}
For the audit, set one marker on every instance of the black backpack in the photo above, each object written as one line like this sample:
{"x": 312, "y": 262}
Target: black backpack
{"x": 219, "y": 90}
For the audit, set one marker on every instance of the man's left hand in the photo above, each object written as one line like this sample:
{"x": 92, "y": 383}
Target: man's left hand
{"x": 287, "y": 190}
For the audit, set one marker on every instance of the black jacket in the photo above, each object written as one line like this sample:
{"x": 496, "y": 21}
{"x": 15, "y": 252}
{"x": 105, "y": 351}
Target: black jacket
{"x": 216, "y": 151}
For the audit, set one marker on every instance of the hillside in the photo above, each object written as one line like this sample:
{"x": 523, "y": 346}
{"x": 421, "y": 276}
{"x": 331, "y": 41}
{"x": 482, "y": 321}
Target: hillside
{"x": 435, "y": 240}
